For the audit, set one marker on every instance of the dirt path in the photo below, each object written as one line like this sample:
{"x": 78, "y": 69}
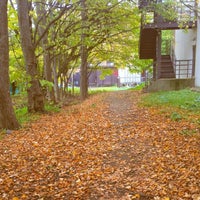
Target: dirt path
{"x": 128, "y": 154}
{"x": 122, "y": 159}
{"x": 106, "y": 148}
{"x": 150, "y": 159}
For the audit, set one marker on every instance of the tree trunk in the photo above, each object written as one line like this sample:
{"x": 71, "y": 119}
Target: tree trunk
{"x": 40, "y": 8}
{"x": 35, "y": 95}
{"x": 7, "y": 115}
{"x": 84, "y": 53}
{"x": 48, "y": 74}
{"x": 55, "y": 76}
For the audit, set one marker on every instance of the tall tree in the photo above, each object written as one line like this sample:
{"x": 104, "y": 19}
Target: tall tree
{"x": 7, "y": 115}
{"x": 35, "y": 95}
{"x": 42, "y": 21}
{"x": 108, "y": 32}
{"x": 84, "y": 51}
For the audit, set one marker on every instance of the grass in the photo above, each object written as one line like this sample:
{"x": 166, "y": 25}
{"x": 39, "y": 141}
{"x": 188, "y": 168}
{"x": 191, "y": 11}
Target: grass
{"x": 96, "y": 90}
{"x": 183, "y": 99}
{"x": 49, "y": 107}
{"x": 177, "y": 105}
{"x": 115, "y": 88}
{"x": 21, "y": 110}
{"x": 138, "y": 87}
{"x": 23, "y": 116}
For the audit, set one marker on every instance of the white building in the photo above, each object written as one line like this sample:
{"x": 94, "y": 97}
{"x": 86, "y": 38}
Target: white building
{"x": 184, "y": 53}
{"x": 187, "y": 49}
{"x": 197, "y": 56}
{"x": 128, "y": 78}
{"x": 180, "y": 67}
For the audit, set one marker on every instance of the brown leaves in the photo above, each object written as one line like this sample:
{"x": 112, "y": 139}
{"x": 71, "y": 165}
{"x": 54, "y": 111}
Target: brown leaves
{"x": 113, "y": 150}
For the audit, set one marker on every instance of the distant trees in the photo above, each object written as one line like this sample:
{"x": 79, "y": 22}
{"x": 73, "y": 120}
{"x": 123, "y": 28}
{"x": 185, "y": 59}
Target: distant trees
{"x": 66, "y": 36}
{"x": 55, "y": 38}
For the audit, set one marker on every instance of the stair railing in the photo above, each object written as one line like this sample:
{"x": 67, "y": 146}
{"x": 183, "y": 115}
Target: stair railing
{"x": 182, "y": 68}
{"x": 173, "y": 58}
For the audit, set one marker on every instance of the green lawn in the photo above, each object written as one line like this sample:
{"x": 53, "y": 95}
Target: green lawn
{"x": 95, "y": 90}
{"x": 184, "y": 99}
{"x": 177, "y": 105}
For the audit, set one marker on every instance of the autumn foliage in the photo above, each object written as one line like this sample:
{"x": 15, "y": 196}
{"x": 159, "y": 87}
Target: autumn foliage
{"x": 104, "y": 148}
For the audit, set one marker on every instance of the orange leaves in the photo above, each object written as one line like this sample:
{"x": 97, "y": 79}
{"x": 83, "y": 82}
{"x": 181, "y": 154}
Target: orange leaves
{"x": 15, "y": 198}
{"x": 113, "y": 150}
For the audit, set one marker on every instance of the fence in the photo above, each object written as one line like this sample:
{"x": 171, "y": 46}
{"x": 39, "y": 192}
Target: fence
{"x": 131, "y": 80}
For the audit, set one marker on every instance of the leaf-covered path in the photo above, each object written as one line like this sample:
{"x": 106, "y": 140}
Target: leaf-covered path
{"x": 105, "y": 148}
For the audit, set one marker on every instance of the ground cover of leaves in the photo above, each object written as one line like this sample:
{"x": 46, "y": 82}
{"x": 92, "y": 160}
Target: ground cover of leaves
{"x": 104, "y": 148}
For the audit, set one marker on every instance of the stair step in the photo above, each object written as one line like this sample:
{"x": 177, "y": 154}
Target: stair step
{"x": 169, "y": 71}
{"x": 166, "y": 70}
{"x": 166, "y": 67}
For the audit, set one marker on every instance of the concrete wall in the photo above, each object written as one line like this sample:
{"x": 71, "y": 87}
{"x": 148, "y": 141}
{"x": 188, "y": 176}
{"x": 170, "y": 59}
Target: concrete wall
{"x": 170, "y": 84}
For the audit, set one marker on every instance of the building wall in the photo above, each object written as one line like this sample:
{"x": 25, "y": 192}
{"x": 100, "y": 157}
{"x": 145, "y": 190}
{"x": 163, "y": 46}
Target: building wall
{"x": 184, "y": 41}
{"x": 183, "y": 48}
{"x": 197, "y": 64}
{"x": 109, "y": 80}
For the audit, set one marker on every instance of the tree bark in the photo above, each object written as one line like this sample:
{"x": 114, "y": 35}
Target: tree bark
{"x": 35, "y": 95}
{"x": 7, "y": 116}
{"x": 84, "y": 53}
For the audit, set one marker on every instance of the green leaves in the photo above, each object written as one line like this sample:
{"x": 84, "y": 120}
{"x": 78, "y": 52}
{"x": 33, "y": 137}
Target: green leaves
{"x": 167, "y": 9}
{"x": 47, "y": 84}
{"x": 105, "y": 72}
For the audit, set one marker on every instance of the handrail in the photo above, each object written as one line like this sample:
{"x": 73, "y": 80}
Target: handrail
{"x": 173, "y": 58}
{"x": 182, "y": 68}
